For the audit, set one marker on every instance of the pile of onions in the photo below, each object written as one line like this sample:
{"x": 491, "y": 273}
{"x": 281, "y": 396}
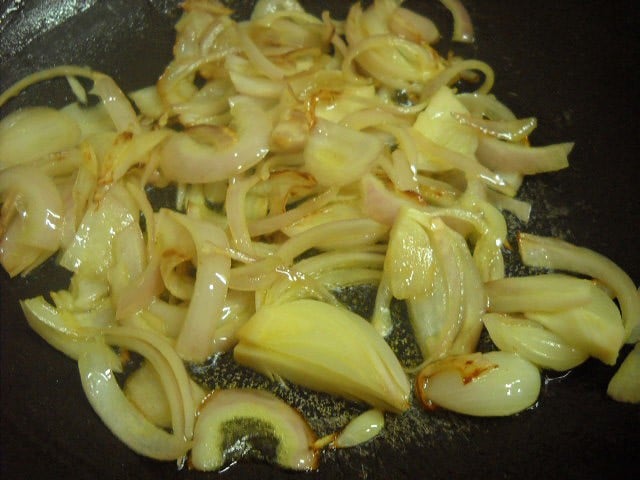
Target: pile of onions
{"x": 310, "y": 155}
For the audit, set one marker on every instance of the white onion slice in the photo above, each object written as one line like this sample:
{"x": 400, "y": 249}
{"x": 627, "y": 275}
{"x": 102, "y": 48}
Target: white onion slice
{"x": 329, "y": 154}
{"x": 480, "y": 384}
{"x": 462, "y": 25}
{"x": 595, "y": 327}
{"x": 625, "y": 384}
{"x": 360, "y": 429}
{"x": 183, "y": 159}
{"x": 540, "y": 293}
{"x": 545, "y": 252}
{"x": 229, "y": 420}
{"x": 37, "y": 203}
{"x": 325, "y": 348}
{"x": 532, "y": 341}
{"x": 97, "y": 365}
{"x": 508, "y": 157}
{"x": 31, "y": 133}
{"x": 195, "y": 341}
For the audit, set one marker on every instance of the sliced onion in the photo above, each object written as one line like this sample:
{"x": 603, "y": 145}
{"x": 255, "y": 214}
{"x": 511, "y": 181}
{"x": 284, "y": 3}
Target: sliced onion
{"x": 31, "y": 133}
{"x": 438, "y": 124}
{"x": 116, "y": 103}
{"x": 510, "y": 130}
{"x": 539, "y": 293}
{"x": 625, "y": 384}
{"x": 462, "y": 25}
{"x": 510, "y": 157}
{"x": 329, "y": 153}
{"x": 34, "y": 197}
{"x": 553, "y": 253}
{"x": 532, "y": 341}
{"x": 184, "y": 159}
{"x": 195, "y": 341}
{"x": 413, "y": 26}
{"x": 45, "y": 320}
{"x": 410, "y": 258}
{"x": 360, "y": 429}
{"x": 595, "y": 327}
{"x": 480, "y": 384}
{"x": 143, "y": 389}
{"x": 97, "y": 365}
{"x": 91, "y": 249}
{"x": 339, "y": 234}
{"x": 325, "y": 348}
{"x": 229, "y": 420}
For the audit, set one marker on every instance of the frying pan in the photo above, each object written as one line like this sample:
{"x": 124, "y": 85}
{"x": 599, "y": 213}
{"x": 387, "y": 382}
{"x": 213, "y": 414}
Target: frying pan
{"x": 570, "y": 63}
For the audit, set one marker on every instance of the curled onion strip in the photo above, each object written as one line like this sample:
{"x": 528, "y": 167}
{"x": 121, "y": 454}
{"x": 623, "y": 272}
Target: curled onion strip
{"x": 97, "y": 365}
{"x": 183, "y": 159}
{"x": 553, "y": 253}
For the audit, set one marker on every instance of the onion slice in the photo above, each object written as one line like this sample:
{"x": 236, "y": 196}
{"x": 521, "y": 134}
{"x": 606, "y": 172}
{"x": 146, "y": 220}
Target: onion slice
{"x": 230, "y": 420}
{"x": 546, "y": 252}
{"x": 480, "y": 384}
{"x": 184, "y": 159}
{"x": 97, "y": 365}
{"x": 625, "y": 384}
{"x": 325, "y": 348}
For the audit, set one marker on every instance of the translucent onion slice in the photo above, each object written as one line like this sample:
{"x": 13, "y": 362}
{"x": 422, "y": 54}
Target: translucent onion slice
{"x": 503, "y": 156}
{"x": 539, "y": 293}
{"x": 144, "y": 389}
{"x": 595, "y": 327}
{"x": 116, "y": 103}
{"x": 91, "y": 249}
{"x": 511, "y": 130}
{"x": 231, "y": 422}
{"x": 360, "y": 429}
{"x": 410, "y": 258}
{"x": 31, "y": 133}
{"x": 195, "y": 341}
{"x": 554, "y": 253}
{"x": 45, "y": 320}
{"x": 325, "y": 348}
{"x": 329, "y": 154}
{"x": 354, "y": 233}
{"x": 35, "y": 201}
{"x": 97, "y": 365}
{"x": 413, "y": 26}
{"x": 625, "y": 384}
{"x": 462, "y": 25}
{"x": 264, "y": 8}
{"x": 438, "y": 124}
{"x": 480, "y": 384}
{"x": 184, "y": 159}
{"x": 532, "y": 341}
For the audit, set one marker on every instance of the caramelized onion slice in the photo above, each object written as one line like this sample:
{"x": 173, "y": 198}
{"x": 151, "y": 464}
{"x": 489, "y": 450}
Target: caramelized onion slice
{"x": 232, "y": 421}
{"x": 480, "y": 384}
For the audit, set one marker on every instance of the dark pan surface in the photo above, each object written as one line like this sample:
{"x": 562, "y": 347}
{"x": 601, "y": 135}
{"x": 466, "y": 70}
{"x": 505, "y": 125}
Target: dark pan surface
{"x": 570, "y": 63}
